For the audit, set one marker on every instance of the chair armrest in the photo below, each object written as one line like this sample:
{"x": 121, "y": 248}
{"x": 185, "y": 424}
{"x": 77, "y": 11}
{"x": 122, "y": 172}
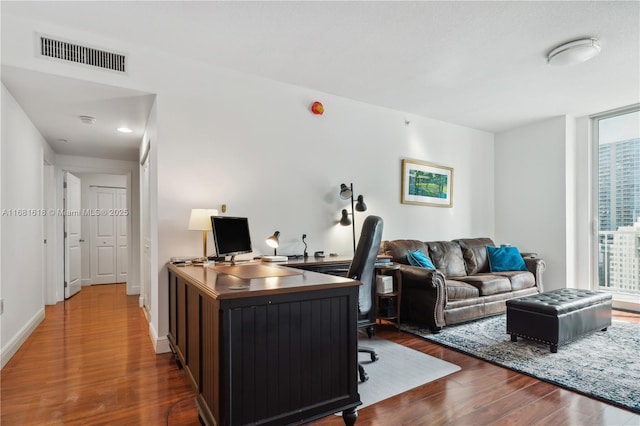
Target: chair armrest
{"x": 536, "y": 267}
{"x": 426, "y": 291}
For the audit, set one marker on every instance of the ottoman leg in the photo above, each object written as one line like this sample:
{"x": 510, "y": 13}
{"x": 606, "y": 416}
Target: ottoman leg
{"x": 604, "y": 329}
{"x": 554, "y": 349}
{"x": 514, "y": 338}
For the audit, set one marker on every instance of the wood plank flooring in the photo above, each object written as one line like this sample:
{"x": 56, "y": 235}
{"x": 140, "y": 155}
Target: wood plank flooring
{"x": 91, "y": 362}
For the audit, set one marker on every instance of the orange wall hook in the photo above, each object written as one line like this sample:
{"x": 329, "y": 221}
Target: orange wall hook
{"x": 317, "y": 108}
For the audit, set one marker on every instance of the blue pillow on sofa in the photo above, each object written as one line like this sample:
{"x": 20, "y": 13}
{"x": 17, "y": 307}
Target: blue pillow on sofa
{"x": 507, "y": 258}
{"x": 418, "y": 258}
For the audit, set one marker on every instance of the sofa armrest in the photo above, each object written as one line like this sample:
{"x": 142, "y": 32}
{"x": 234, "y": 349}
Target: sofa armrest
{"x": 536, "y": 267}
{"x": 424, "y": 295}
{"x": 419, "y": 277}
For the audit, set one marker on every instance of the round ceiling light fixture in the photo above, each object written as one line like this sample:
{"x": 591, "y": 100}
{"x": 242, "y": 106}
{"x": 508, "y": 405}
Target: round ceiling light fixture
{"x": 574, "y": 52}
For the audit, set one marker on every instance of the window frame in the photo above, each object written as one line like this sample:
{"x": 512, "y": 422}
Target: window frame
{"x": 595, "y": 197}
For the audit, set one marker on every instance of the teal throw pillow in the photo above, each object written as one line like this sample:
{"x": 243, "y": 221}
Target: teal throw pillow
{"x": 507, "y": 258}
{"x": 418, "y": 258}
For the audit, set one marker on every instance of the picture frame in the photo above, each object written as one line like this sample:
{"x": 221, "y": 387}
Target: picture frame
{"x": 426, "y": 184}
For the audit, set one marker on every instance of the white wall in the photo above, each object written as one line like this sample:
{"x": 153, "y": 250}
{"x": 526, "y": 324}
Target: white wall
{"x": 149, "y": 289}
{"x": 253, "y": 144}
{"x": 531, "y": 193}
{"x": 23, "y": 154}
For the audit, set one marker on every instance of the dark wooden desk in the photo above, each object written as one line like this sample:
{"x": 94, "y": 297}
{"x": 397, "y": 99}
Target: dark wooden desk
{"x": 283, "y": 350}
{"x": 320, "y": 264}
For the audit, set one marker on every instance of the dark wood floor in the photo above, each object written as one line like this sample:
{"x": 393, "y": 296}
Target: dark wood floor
{"x": 91, "y": 362}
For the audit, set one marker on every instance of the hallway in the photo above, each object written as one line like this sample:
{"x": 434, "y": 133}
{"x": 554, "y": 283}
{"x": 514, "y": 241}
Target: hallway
{"x": 91, "y": 362}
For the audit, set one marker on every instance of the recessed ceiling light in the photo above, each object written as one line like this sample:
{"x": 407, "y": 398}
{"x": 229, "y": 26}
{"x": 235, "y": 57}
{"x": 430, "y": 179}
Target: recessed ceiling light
{"x": 124, "y": 130}
{"x": 574, "y": 52}
{"x": 87, "y": 119}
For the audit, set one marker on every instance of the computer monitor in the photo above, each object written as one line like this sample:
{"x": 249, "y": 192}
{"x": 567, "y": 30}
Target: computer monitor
{"x": 231, "y": 236}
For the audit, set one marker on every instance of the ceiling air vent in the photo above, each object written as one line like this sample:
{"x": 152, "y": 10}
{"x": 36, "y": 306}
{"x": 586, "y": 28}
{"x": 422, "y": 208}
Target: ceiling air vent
{"x": 73, "y": 52}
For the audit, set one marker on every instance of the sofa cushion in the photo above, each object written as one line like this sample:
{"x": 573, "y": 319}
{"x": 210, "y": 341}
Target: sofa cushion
{"x": 507, "y": 258}
{"x": 457, "y": 290}
{"x": 398, "y": 249}
{"x": 474, "y": 252}
{"x": 447, "y": 258}
{"x": 488, "y": 284}
{"x": 418, "y": 258}
{"x": 519, "y": 279}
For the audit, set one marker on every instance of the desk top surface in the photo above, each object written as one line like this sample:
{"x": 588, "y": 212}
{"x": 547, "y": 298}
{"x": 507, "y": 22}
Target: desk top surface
{"x": 256, "y": 279}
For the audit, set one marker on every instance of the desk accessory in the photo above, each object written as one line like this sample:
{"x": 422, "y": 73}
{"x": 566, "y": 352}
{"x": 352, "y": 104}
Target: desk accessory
{"x": 304, "y": 254}
{"x": 274, "y": 258}
{"x": 274, "y": 241}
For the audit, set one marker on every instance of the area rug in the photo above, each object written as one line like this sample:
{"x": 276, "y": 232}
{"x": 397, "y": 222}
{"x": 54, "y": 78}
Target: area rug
{"x": 603, "y": 365}
{"x": 397, "y": 370}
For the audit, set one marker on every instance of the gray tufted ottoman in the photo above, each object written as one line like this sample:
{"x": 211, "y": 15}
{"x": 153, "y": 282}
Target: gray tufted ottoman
{"x": 559, "y": 316}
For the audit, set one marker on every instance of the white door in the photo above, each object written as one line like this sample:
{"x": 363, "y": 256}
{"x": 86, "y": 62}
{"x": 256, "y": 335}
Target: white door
{"x": 122, "y": 235}
{"x": 103, "y": 236}
{"x": 72, "y": 256}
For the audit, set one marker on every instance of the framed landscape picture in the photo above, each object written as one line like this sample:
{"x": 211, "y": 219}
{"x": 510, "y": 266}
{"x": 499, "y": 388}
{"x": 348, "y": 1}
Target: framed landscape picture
{"x": 426, "y": 184}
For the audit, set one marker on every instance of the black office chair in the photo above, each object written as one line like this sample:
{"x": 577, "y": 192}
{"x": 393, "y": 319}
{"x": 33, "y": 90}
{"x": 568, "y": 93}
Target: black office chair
{"x": 362, "y": 268}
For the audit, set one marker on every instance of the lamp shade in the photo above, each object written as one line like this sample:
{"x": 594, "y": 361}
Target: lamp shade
{"x": 273, "y": 241}
{"x": 344, "y": 220}
{"x": 200, "y": 219}
{"x": 360, "y": 205}
{"x": 345, "y": 192}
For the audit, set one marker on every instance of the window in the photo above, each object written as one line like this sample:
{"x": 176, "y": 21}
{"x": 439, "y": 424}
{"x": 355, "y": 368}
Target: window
{"x": 617, "y": 146}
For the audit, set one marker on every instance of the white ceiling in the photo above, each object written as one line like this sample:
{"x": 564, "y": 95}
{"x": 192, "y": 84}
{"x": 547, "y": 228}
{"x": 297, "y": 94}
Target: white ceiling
{"x": 480, "y": 64}
{"x": 55, "y": 104}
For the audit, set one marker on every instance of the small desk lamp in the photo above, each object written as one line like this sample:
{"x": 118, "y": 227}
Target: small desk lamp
{"x": 200, "y": 220}
{"x": 346, "y": 192}
{"x": 274, "y": 242}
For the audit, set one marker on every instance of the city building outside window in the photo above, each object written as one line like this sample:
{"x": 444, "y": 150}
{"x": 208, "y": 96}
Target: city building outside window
{"x": 617, "y": 139}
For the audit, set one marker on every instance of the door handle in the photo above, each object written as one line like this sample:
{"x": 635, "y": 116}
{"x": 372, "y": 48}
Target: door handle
{"x": 82, "y": 241}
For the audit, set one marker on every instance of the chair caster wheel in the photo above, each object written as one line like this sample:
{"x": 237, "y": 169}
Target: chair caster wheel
{"x": 374, "y": 357}
{"x": 363, "y": 374}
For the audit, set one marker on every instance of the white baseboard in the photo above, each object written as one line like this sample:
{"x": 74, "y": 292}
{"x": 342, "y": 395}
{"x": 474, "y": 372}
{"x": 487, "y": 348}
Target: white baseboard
{"x": 18, "y": 340}
{"x": 160, "y": 344}
{"x": 141, "y": 301}
{"x": 626, "y": 305}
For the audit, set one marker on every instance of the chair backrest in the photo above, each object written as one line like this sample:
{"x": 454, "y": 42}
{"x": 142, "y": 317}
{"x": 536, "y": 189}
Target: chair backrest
{"x": 363, "y": 264}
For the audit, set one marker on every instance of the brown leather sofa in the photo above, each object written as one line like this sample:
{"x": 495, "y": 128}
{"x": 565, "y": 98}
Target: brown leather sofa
{"x": 461, "y": 288}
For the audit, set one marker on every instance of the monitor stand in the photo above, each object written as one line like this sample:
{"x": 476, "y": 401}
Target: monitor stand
{"x": 233, "y": 260}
